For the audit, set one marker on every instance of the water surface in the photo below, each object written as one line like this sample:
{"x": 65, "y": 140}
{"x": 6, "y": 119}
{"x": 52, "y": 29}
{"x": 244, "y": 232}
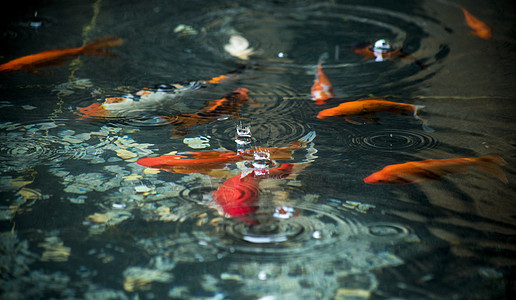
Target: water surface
{"x": 81, "y": 219}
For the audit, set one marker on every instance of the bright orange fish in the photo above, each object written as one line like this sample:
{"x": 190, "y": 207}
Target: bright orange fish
{"x": 381, "y": 50}
{"x": 56, "y": 57}
{"x": 228, "y": 105}
{"x": 205, "y": 161}
{"x": 480, "y": 28}
{"x": 366, "y": 107}
{"x": 433, "y": 169}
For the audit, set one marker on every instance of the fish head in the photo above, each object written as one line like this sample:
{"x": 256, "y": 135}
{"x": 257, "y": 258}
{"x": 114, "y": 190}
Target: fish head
{"x": 242, "y": 91}
{"x": 382, "y": 46}
{"x": 375, "y": 178}
{"x": 387, "y": 177}
{"x": 343, "y": 110}
{"x": 326, "y": 113}
{"x": 241, "y": 94}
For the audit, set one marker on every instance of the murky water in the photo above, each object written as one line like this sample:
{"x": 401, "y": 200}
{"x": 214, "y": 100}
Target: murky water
{"x": 82, "y": 219}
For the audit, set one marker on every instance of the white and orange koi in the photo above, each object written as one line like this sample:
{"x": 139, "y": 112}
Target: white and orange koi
{"x": 127, "y": 105}
{"x": 381, "y": 50}
{"x": 322, "y": 89}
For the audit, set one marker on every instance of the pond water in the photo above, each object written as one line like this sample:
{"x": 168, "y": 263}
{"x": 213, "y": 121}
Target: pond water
{"x": 82, "y": 219}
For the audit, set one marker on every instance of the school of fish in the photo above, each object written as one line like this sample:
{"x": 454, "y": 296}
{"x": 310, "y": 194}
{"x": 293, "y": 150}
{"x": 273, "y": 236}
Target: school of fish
{"x": 238, "y": 195}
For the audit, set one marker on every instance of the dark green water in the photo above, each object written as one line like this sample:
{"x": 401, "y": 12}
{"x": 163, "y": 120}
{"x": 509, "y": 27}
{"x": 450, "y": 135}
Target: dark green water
{"x": 80, "y": 219}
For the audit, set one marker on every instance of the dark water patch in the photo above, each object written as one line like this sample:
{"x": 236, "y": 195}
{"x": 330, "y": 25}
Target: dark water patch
{"x": 430, "y": 281}
{"x": 105, "y": 227}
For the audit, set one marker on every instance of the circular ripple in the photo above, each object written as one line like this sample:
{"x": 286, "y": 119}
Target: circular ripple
{"x": 277, "y": 232}
{"x": 266, "y": 131}
{"x": 388, "y": 230}
{"x": 297, "y": 229}
{"x": 23, "y": 146}
{"x": 283, "y": 230}
{"x": 311, "y": 30}
{"x": 198, "y": 194}
{"x": 393, "y": 141}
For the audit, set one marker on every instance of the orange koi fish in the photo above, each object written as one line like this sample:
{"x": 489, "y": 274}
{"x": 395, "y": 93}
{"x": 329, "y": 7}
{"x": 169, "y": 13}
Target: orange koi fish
{"x": 56, "y": 57}
{"x": 480, "y": 28}
{"x": 205, "y": 161}
{"x": 366, "y": 107}
{"x": 433, "y": 169}
{"x": 227, "y": 105}
{"x": 380, "y": 51}
{"x": 238, "y": 195}
{"x": 322, "y": 89}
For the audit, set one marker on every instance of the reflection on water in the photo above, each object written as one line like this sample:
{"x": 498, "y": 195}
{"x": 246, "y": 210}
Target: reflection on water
{"x": 262, "y": 199}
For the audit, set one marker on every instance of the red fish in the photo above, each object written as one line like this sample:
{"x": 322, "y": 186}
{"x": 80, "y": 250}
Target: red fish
{"x": 56, "y": 57}
{"x": 322, "y": 89}
{"x": 238, "y": 195}
{"x": 433, "y": 169}
{"x": 366, "y": 107}
{"x": 480, "y": 28}
{"x": 228, "y": 105}
{"x": 381, "y": 50}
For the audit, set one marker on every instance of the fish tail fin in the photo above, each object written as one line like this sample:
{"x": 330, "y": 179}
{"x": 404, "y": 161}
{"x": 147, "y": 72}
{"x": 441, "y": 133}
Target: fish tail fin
{"x": 426, "y": 127}
{"x": 416, "y": 110}
{"x": 94, "y": 110}
{"x": 323, "y": 58}
{"x": 491, "y": 164}
{"x": 100, "y": 46}
{"x": 308, "y": 137}
{"x": 425, "y": 122}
